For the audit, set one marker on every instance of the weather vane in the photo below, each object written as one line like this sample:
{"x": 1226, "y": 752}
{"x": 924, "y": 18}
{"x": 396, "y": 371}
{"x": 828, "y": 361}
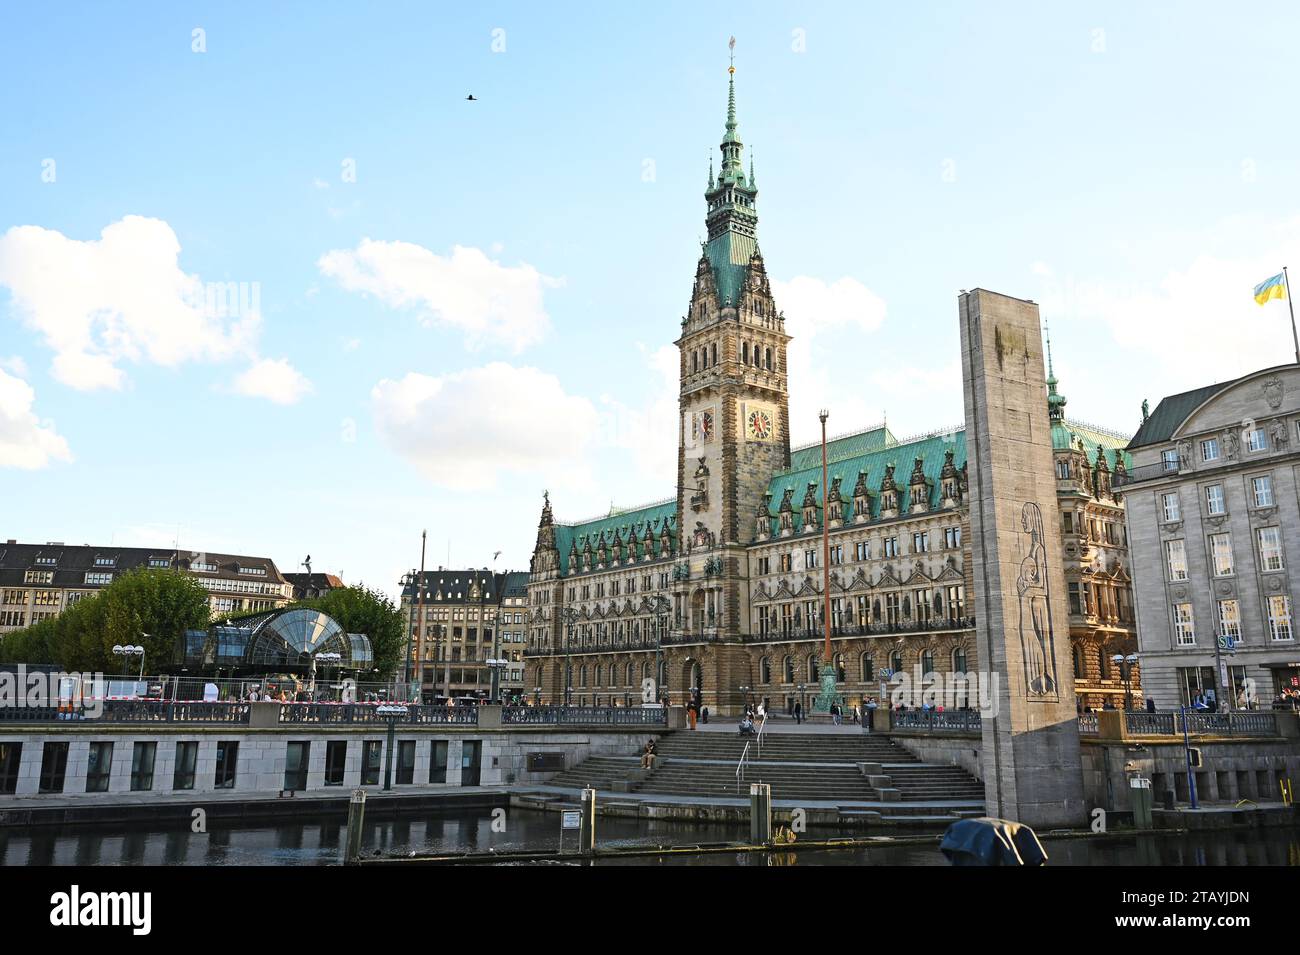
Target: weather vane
{"x": 732, "y": 46}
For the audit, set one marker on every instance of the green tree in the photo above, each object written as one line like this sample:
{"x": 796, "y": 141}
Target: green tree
{"x": 151, "y": 608}
{"x": 372, "y": 612}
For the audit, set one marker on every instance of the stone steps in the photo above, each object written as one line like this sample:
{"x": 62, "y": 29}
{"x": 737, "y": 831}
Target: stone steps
{"x": 817, "y": 768}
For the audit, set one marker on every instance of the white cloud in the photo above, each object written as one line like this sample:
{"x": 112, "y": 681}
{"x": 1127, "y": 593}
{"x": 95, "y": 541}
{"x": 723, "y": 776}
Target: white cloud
{"x": 488, "y": 302}
{"x": 25, "y": 441}
{"x": 650, "y": 432}
{"x": 825, "y": 321}
{"x": 14, "y": 364}
{"x": 273, "y": 379}
{"x": 122, "y": 297}
{"x": 1193, "y": 323}
{"x": 466, "y": 429}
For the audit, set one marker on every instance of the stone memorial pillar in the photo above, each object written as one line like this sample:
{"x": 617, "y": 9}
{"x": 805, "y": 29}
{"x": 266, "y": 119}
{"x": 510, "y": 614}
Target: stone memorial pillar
{"x": 1031, "y": 763}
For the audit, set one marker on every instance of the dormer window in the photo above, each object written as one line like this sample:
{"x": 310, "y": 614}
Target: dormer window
{"x": 161, "y": 562}
{"x": 255, "y": 571}
{"x": 105, "y": 561}
{"x": 47, "y": 561}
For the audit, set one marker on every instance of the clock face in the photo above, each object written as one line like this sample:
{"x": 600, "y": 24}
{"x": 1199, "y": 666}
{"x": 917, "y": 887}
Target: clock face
{"x": 706, "y": 425}
{"x": 759, "y": 424}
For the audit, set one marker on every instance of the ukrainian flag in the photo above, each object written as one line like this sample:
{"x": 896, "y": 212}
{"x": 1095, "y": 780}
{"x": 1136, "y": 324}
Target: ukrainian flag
{"x": 1270, "y": 288}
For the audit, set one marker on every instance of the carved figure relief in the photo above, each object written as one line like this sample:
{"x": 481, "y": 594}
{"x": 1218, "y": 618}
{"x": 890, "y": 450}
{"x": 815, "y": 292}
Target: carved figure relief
{"x": 700, "y": 496}
{"x": 1273, "y": 390}
{"x": 1037, "y": 639}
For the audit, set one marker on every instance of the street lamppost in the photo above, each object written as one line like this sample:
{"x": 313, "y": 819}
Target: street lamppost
{"x": 326, "y": 659}
{"x": 131, "y": 650}
{"x": 392, "y": 712}
{"x": 570, "y": 620}
{"x": 662, "y": 606}
{"x": 496, "y": 666}
{"x": 827, "y": 696}
{"x": 1125, "y": 664}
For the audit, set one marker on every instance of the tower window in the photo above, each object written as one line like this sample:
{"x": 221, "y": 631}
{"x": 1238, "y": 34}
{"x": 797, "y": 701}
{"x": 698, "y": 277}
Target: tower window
{"x": 744, "y": 353}
{"x": 768, "y": 359}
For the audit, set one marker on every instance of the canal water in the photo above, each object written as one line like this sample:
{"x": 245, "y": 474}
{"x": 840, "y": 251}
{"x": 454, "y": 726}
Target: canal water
{"x": 317, "y": 843}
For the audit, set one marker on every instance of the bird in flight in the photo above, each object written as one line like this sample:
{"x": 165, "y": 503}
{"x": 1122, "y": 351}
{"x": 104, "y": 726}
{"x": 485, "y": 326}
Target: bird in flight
{"x": 472, "y": 98}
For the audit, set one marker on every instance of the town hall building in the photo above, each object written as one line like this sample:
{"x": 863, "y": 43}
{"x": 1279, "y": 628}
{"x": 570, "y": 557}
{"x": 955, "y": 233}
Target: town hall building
{"x": 717, "y": 592}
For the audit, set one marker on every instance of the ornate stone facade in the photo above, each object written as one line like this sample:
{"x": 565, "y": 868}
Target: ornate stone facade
{"x": 718, "y": 590}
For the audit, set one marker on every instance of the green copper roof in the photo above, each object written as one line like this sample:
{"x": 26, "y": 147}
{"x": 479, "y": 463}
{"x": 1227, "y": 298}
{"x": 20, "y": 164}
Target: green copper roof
{"x": 1067, "y": 434}
{"x": 729, "y": 255}
{"x": 847, "y": 446}
{"x": 931, "y": 449}
{"x": 1172, "y": 412}
{"x": 731, "y": 218}
{"x": 621, "y": 521}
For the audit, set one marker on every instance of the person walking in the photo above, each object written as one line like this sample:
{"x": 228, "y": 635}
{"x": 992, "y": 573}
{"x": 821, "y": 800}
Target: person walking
{"x": 690, "y": 714}
{"x": 798, "y": 712}
{"x": 868, "y": 714}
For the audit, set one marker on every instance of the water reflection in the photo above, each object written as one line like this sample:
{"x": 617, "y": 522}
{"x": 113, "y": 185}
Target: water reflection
{"x": 317, "y": 842}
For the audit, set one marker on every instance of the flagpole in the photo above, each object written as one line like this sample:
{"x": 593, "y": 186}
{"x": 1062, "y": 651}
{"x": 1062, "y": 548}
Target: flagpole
{"x": 1286, "y": 279}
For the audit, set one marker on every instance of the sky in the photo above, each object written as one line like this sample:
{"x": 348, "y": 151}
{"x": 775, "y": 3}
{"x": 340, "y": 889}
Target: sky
{"x": 271, "y": 285}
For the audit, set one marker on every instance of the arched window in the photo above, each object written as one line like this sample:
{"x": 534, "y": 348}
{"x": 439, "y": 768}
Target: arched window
{"x": 959, "y": 660}
{"x": 695, "y": 361}
{"x": 715, "y": 354}
{"x": 840, "y": 675}
{"x": 896, "y": 661}
{"x": 813, "y": 672}
{"x": 597, "y": 681}
{"x": 787, "y": 669}
{"x": 1078, "y": 660}
{"x": 768, "y": 359}
{"x": 927, "y": 662}
{"x": 582, "y": 675}
{"x": 765, "y": 670}
{"x": 744, "y": 352}
{"x": 1103, "y": 665}
{"x": 868, "y": 669}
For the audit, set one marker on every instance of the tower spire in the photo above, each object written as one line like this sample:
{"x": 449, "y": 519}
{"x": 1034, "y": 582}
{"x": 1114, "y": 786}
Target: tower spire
{"x": 1055, "y": 402}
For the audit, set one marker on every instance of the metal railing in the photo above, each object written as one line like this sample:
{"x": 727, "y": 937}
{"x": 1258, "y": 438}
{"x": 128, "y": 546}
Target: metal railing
{"x": 951, "y": 721}
{"x": 130, "y": 711}
{"x": 351, "y": 713}
{"x": 740, "y": 767}
{"x": 1140, "y": 723}
{"x": 584, "y": 716}
{"x": 1234, "y": 723}
{"x": 1088, "y": 724}
{"x": 1148, "y": 472}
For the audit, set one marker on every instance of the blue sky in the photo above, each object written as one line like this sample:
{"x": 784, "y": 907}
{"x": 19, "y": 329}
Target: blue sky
{"x": 459, "y": 304}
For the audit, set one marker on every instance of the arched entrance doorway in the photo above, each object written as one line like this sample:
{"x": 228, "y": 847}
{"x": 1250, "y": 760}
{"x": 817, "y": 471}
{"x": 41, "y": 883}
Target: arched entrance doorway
{"x": 692, "y": 679}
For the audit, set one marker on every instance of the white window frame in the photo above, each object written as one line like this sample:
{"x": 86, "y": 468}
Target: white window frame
{"x": 1184, "y": 625}
{"x": 1209, "y": 501}
{"x": 1230, "y": 623}
{"x": 1276, "y": 560}
{"x": 1256, "y": 440}
{"x": 1208, "y": 445}
{"x": 1267, "y": 500}
{"x": 1171, "y": 572}
{"x": 1174, "y": 513}
{"x": 1221, "y": 550}
{"x": 1280, "y": 623}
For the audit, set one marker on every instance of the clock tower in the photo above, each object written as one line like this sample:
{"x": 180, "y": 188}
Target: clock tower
{"x": 735, "y": 419}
